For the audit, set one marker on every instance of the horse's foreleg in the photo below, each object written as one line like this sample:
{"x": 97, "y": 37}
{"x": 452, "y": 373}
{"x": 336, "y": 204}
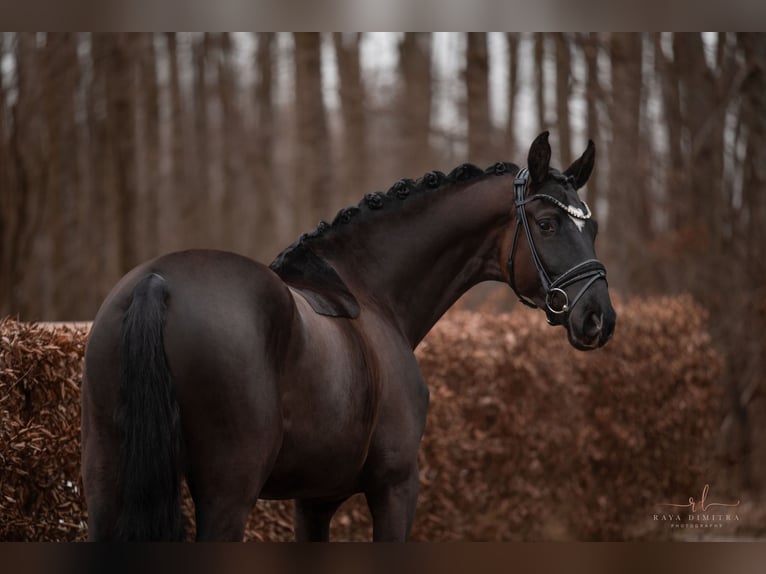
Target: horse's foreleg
{"x": 312, "y": 519}
{"x": 393, "y": 508}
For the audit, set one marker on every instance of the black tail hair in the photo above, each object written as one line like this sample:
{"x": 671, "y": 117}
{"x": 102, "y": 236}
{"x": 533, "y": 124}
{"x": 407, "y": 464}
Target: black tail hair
{"x": 148, "y": 419}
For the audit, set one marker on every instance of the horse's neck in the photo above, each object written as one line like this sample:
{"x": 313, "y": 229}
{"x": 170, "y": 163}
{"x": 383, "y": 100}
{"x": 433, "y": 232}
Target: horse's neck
{"x": 420, "y": 261}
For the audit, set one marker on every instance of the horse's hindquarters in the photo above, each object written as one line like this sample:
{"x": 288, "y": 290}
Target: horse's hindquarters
{"x": 224, "y": 324}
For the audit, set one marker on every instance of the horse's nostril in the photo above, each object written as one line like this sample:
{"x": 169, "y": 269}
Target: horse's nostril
{"x": 598, "y": 321}
{"x": 594, "y": 324}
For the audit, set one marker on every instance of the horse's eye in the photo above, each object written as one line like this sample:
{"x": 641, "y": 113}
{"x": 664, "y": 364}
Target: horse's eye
{"x": 545, "y": 225}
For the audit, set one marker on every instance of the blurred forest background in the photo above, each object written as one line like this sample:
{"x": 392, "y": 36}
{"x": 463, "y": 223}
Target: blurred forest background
{"x": 115, "y": 148}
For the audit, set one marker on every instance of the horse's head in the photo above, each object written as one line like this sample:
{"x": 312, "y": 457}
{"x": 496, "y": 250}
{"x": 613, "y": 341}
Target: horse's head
{"x": 552, "y": 261}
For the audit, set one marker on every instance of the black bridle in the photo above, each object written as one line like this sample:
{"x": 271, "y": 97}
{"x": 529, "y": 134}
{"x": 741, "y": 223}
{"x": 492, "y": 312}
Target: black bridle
{"x": 556, "y": 299}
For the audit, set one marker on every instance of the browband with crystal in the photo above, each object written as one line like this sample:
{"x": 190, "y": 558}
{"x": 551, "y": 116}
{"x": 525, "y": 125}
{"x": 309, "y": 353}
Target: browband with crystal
{"x": 575, "y": 212}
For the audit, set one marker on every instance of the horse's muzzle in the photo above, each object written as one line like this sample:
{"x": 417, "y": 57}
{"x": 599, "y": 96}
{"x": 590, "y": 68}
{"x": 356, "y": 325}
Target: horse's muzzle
{"x": 592, "y": 328}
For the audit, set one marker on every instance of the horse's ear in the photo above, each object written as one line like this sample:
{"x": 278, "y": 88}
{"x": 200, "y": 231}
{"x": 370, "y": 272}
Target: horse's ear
{"x": 539, "y": 158}
{"x": 582, "y": 167}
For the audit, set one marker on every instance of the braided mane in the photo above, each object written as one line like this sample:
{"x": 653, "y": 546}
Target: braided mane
{"x": 383, "y": 202}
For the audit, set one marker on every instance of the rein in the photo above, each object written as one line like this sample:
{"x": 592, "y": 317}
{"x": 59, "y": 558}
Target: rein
{"x": 556, "y": 299}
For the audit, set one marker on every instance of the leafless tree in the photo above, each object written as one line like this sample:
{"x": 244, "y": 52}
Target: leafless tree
{"x": 477, "y": 98}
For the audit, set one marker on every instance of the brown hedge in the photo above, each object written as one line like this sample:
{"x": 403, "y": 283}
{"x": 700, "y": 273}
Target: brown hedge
{"x": 527, "y": 439}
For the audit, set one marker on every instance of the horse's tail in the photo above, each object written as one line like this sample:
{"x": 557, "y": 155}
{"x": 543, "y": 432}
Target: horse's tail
{"x": 148, "y": 420}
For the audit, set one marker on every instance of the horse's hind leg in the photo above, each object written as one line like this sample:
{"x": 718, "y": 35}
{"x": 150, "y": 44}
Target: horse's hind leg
{"x": 312, "y": 519}
{"x": 100, "y": 479}
{"x": 222, "y": 517}
{"x": 98, "y": 466}
{"x": 393, "y": 508}
{"x": 229, "y": 459}
{"x": 224, "y": 491}
{"x": 225, "y": 479}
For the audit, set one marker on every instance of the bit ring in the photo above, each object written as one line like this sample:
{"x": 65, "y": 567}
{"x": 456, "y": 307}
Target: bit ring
{"x": 548, "y": 303}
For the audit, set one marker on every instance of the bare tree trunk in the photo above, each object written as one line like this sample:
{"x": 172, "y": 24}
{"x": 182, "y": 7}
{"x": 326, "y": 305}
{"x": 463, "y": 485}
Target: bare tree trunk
{"x": 593, "y": 97}
{"x": 352, "y": 101}
{"x": 625, "y": 200}
{"x": 676, "y": 173}
{"x": 513, "y": 87}
{"x": 89, "y": 294}
{"x": 703, "y": 117}
{"x": 312, "y": 158}
{"x": 200, "y": 215}
{"x": 6, "y": 197}
{"x": 231, "y": 223}
{"x": 121, "y": 125}
{"x": 61, "y": 79}
{"x": 102, "y": 265}
{"x": 542, "y": 124}
{"x": 477, "y": 101}
{"x": 264, "y": 228}
{"x": 415, "y": 102}
{"x": 754, "y": 177}
{"x": 150, "y": 113}
{"x": 747, "y": 370}
{"x": 730, "y": 76}
{"x": 563, "y": 66}
{"x": 29, "y": 159}
{"x": 179, "y": 201}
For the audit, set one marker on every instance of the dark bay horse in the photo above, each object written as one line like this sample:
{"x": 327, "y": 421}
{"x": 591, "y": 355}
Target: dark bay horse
{"x": 299, "y": 380}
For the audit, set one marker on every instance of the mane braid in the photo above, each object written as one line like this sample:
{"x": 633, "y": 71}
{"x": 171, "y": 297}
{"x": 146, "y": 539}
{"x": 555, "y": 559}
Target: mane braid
{"x": 401, "y": 190}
